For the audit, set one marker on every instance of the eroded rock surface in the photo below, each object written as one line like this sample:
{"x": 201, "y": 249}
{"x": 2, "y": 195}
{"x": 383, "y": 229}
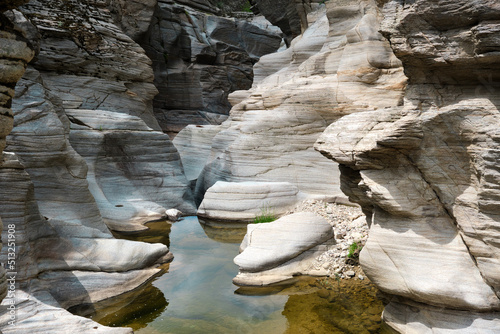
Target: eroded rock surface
{"x": 275, "y": 251}
{"x": 340, "y": 65}
{"x": 425, "y": 173}
{"x": 289, "y": 15}
{"x": 15, "y": 53}
{"x": 199, "y": 58}
{"x": 103, "y": 81}
{"x": 64, "y": 253}
{"x": 243, "y": 201}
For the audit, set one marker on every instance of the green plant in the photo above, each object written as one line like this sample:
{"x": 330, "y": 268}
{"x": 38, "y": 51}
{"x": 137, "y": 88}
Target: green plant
{"x": 247, "y": 7}
{"x": 353, "y": 248}
{"x": 267, "y": 215}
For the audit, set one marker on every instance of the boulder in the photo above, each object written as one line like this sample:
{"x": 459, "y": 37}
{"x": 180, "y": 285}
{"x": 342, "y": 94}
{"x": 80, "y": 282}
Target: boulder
{"x": 276, "y": 251}
{"x": 243, "y": 201}
{"x": 173, "y": 214}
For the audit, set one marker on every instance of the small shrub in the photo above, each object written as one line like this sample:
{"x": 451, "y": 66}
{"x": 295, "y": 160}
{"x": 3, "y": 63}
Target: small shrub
{"x": 247, "y": 7}
{"x": 354, "y": 249}
{"x": 266, "y": 216}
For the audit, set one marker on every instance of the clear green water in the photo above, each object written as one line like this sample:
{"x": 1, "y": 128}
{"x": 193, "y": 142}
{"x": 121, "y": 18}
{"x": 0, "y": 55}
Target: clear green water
{"x": 195, "y": 294}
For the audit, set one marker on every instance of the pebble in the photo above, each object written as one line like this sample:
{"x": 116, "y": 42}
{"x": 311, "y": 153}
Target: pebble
{"x": 350, "y": 273}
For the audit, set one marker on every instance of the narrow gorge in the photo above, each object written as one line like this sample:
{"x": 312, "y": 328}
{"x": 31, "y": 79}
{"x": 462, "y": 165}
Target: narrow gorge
{"x": 347, "y": 121}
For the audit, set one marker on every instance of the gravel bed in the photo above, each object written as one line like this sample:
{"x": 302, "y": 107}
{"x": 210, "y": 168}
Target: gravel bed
{"x": 349, "y": 225}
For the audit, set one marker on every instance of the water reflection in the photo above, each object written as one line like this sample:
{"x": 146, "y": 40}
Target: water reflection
{"x": 135, "y": 309}
{"x": 158, "y": 232}
{"x": 223, "y": 231}
{"x": 202, "y": 299}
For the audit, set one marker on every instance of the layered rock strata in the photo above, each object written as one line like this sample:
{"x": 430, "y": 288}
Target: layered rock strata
{"x": 276, "y": 251}
{"x": 60, "y": 263}
{"x": 194, "y": 143}
{"x": 340, "y": 65}
{"x": 198, "y": 59}
{"x": 64, "y": 253}
{"x": 289, "y": 15}
{"x": 243, "y": 201}
{"x": 425, "y": 173}
{"x": 103, "y": 83}
{"x": 15, "y": 54}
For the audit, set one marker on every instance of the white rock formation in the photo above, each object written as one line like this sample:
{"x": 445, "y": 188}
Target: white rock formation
{"x": 426, "y": 173}
{"x": 276, "y": 251}
{"x": 340, "y": 65}
{"x": 194, "y": 143}
{"x": 135, "y": 173}
{"x": 64, "y": 253}
{"x": 243, "y": 201}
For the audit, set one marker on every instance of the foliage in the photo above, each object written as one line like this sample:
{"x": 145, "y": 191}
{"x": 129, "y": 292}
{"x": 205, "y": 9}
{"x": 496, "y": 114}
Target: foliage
{"x": 247, "y": 7}
{"x": 353, "y": 248}
{"x": 267, "y": 215}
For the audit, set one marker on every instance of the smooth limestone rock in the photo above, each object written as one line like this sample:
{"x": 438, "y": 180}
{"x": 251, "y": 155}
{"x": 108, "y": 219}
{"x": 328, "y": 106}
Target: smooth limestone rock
{"x": 59, "y": 258}
{"x": 419, "y": 318}
{"x": 275, "y": 251}
{"x": 40, "y": 140}
{"x": 132, "y": 182}
{"x": 65, "y": 256}
{"x": 199, "y": 58}
{"x": 134, "y": 171}
{"x": 425, "y": 173}
{"x": 194, "y": 143}
{"x": 15, "y": 53}
{"x": 340, "y": 65}
{"x": 243, "y": 201}
{"x": 35, "y": 316}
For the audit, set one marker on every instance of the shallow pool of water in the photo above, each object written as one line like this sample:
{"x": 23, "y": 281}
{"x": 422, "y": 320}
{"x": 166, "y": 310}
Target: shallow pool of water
{"x": 196, "y": 295}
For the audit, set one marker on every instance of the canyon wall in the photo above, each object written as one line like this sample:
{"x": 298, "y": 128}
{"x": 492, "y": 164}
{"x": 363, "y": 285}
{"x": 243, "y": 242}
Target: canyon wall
{"x": 79, "y": 89}
{"x": 84, "y": 153}
{"x": 99, "y": 83}
{"x": 14, "y": 57}
{"x": 200, "y": 58}
{"x": 426, "y": 172}
{"x": 340, "y": 65}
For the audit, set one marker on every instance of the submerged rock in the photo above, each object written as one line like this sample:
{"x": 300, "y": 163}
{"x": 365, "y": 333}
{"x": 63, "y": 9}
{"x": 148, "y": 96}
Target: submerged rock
{"x": 275, "y": 251}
